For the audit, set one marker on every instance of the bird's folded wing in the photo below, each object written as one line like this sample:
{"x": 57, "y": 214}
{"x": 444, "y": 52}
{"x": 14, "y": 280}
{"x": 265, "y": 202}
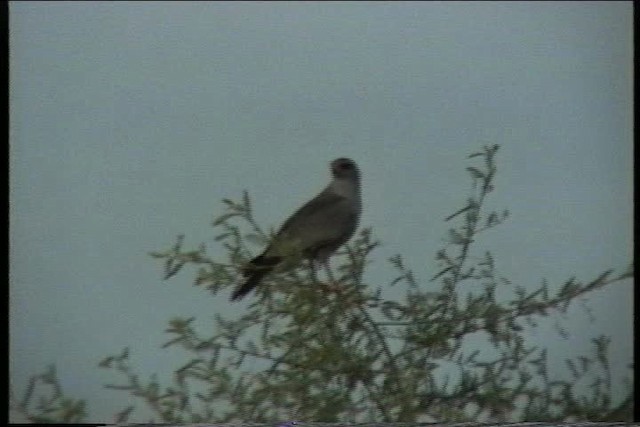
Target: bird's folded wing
{"x": 326, "y": 218}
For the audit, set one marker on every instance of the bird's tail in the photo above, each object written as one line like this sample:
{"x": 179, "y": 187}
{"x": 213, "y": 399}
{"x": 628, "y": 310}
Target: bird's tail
{"x": 255, "y": 271}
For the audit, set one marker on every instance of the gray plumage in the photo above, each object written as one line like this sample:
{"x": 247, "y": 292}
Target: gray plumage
{"x": 316, "y": 230}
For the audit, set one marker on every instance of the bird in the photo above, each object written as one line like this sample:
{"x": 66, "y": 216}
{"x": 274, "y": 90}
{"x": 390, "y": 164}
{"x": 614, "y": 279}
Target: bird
{"x": 316, "y": 230}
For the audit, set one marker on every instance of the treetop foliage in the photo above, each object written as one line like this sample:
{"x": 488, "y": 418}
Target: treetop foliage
{"x": 336, "y": 349}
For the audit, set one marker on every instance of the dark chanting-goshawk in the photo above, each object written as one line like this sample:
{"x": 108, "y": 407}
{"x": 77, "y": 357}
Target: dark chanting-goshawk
{"x": 316, "y": 230}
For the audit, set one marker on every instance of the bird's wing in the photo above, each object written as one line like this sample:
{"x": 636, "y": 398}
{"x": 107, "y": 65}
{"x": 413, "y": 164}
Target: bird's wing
{"x": 326, "y": 220}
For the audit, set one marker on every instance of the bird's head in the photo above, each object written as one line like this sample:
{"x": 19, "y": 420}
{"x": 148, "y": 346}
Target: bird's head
{"x": 344, "y": 168}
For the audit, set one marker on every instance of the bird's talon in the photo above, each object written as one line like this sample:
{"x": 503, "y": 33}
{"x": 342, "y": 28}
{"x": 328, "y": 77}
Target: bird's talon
{"x": 334, "y": 288}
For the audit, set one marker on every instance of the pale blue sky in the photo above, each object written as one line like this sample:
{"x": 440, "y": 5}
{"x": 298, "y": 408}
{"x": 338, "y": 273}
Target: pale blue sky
{"x": 131, "y": 121}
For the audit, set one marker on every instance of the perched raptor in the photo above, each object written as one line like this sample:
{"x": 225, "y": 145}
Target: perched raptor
{"x": 316, "y": 230}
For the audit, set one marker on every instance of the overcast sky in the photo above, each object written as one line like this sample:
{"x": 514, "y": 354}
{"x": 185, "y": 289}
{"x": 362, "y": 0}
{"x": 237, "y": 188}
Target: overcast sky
{"x": 131, "y": 121}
